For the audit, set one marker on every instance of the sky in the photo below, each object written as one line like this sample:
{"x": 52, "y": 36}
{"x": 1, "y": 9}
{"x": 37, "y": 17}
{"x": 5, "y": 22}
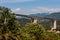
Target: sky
{"x": 32, "y": 6}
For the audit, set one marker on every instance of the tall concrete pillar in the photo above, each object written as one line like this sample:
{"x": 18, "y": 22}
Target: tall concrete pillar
{"x": 53, "y": 25}
{"x": 35, "y": 20}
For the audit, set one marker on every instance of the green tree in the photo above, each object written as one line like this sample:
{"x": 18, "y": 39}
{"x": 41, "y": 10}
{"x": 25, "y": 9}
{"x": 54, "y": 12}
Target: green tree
{"x": 9, "y": 27}
{"x": 6, "y": 12}
{"x": 32, "y": 32}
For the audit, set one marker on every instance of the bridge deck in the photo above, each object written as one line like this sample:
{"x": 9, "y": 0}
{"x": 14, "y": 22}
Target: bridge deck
{"x": 36, "y": 16}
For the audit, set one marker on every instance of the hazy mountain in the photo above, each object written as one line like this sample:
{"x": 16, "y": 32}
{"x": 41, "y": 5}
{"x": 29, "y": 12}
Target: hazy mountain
{"x": 50, "y": 15}
{"x": 39, "y": 14}
{"x": 54, "y": 15}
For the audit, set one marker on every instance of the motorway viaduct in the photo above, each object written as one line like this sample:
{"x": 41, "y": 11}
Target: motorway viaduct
{"x": 34, "y": 20}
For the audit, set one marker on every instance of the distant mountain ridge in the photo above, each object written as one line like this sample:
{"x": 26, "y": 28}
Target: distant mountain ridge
{"x": 39, "y": 14}
{"x": 50, "y": 15}
{"x": 54, "y": 15}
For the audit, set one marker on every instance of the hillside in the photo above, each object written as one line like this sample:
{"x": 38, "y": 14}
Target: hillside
{"x": 54, "y": 15}
{"x": 39, "y": 14}
{"x": 50, "y": 15}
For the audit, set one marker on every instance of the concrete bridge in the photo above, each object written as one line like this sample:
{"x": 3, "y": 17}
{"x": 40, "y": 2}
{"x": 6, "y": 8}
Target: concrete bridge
{"x": 34, "y": 20}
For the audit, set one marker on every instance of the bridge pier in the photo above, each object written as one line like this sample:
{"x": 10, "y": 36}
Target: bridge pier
{"x": 53, "y": 25}
{"x": 35, "y": 20}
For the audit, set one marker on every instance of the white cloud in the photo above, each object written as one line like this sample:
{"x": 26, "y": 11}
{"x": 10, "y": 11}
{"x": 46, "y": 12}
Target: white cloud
{"x": 18, "y": 9}
{"x": 36, "y": 10}
{"x": 45, "y": 10}
{"x": 9, "y": 1}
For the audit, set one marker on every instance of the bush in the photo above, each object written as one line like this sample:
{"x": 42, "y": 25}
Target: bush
{"x": 32, "y": 32}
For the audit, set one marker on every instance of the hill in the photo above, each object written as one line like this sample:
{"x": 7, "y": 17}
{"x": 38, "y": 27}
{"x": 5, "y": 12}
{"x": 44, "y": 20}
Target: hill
{"x": 54, "y": 15}
{"x": 39, "y": 14}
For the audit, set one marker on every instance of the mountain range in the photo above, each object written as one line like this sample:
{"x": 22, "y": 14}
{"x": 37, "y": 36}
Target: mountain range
{"x": 50, "y": 15}
{"x": 40, "y": 14}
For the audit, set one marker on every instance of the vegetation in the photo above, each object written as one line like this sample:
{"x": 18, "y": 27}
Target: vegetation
{"x": 10, "y": 29}
{"x": 23, "y": 21}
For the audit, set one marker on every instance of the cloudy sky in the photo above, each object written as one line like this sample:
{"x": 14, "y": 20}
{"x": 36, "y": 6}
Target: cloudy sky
{"x": 32, "y": 6}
